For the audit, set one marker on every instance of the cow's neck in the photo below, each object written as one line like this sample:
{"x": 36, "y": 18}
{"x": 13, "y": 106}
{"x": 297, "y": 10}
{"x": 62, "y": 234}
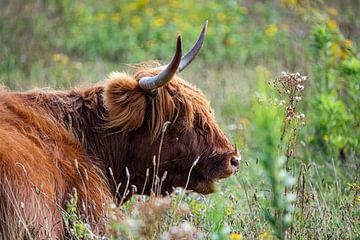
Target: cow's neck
{"x": 104, "y": 147}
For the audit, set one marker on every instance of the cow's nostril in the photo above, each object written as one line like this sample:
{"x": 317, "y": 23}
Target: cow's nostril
{"x": 234, "y": 162}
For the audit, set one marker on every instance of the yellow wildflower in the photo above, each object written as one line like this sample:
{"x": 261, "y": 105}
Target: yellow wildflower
{"x": 229, "y": 41}
{"x": 332, "y": 24}
{"x": 64, "y": 59}
{"x": 332, "y": 11}
{"x": 355, "y": 186}
{"x": 338, "y": 51}
{"x": 287, "y": 3}
{"x": 100, "y": 16}
{"x": 61, "y": 58}
{"x": 271, "y": 30}
{"x": 157, "y": 22}
{"x": 348, "y": 43}
{"x": 221, "y": 17}
{"x": 136, "y": 21}
{"x": 115, "y": 17}
{"x": 143, "y": 2}
{"x": 131, "y": 7}
{"x": 265, "y": 236}
{"x": 149, "y": 11}
{"x": 343, "y": 55}
{"x": 357, "y": 199}
{"x": 235, "y": 236}
{"x": 175, "y": 3}
{"x": 326, "y": 138}
{"x": 134, "y": 5}
{"x": 56, "y": 57}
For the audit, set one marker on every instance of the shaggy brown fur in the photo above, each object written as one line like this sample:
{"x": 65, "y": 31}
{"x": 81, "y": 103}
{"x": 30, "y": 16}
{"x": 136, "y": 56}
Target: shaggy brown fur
{"x": 52, "y": 142}
{"x": 40, "y": 163}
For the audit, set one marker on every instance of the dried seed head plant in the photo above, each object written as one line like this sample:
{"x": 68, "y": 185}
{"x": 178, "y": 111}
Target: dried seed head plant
{"x": 290, "y": 87}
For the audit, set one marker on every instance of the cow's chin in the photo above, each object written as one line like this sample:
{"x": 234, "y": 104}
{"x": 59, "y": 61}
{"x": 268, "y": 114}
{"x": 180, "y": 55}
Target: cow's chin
{"x": 209, "y": 185}
{"x": 205, "y": 187}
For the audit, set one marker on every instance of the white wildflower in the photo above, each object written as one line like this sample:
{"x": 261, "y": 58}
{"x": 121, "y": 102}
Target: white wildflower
{"x": 291, "y": 197}
{"x": 300, "y": 87}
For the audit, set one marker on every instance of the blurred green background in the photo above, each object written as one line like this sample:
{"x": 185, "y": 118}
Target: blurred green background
{"x": 62, "y": 44}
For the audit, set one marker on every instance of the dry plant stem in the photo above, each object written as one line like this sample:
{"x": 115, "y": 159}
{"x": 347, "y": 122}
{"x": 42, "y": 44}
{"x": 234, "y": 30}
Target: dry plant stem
{"x": 188, "y": 177}
{"x": 133, "y": 189}
{"x": 157, "y": 182}
{"x": 117, "y": 192}
{"x": 112, "y": 177}
{"x": 186, "y": 185}
{"x": 301, "y": 194}
{"x": 126, "y": 187}
{"x": 84, "y": 187}
{"x": 154, "y": 176}
{"x": 145, "y": 182}
{"x": 247, "y": 197}
{"x": 250, "y": 208}
{"x": 117, "y": 186}
{"x": 162, "y": 180}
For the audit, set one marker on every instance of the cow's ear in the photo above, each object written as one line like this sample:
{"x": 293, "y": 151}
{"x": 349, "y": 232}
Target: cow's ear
{"x": 125, "y": 102}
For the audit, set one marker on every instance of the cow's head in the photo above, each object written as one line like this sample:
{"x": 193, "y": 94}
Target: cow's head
{"x": 141, "y": 106}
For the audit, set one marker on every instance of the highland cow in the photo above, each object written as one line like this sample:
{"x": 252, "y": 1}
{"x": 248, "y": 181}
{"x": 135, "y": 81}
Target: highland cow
{"x": 128, "y": 135}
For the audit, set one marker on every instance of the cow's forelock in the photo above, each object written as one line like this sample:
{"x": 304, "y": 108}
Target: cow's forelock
{"x": 130, "y": 107}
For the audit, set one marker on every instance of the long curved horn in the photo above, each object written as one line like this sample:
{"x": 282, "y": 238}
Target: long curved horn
{"x": 149, "y": 83}
{"x": 190, "y": 55}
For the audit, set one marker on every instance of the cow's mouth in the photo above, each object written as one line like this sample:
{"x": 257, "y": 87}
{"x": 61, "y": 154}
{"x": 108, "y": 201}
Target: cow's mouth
{"x": 227, "y": 167}
{"x": 209, "y": 185}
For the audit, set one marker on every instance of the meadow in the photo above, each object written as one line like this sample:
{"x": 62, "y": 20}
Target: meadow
{"x": 283, "y": 78}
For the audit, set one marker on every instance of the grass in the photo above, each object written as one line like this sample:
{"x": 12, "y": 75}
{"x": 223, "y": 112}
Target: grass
{"x": 255, "y": 42}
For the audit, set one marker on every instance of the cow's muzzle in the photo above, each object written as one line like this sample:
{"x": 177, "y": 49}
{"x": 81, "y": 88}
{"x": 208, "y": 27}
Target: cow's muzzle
{"x": 231, "y": 165}
{"x": 235, "y": 162}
